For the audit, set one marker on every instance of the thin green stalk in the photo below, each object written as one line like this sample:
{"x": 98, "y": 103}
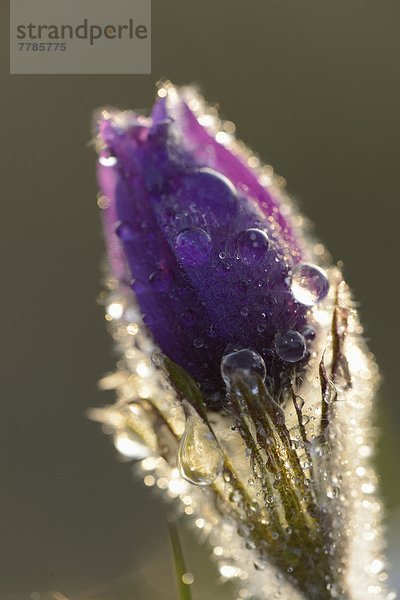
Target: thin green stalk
{"x": 179, "y": 562}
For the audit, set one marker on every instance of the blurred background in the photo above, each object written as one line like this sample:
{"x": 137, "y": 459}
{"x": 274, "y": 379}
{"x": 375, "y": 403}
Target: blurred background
{"x": 314, "y": 88}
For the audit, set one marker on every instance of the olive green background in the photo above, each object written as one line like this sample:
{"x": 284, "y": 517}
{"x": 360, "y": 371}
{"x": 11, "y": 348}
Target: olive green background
{"x": 313, "y": 86}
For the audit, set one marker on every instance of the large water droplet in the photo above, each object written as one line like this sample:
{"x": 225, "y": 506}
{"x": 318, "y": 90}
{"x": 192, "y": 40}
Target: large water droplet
{"x": 252, "y": 245}
{"x": 242, "y": 363}
{"x": 200, "y": 459}
{"x": 309, "y": 284}
{"x": 211, "y": 193}
{"x": 193, "y": 247}
{"x": 290, "y": 346}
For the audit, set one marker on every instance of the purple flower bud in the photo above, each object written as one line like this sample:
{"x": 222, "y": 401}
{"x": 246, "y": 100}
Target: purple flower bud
{"x": 229, "y": 291}
{"x": 203, "y": 242}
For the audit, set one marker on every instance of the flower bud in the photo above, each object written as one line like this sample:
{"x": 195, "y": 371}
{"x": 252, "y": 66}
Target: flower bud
{"x": 206, "y": 245}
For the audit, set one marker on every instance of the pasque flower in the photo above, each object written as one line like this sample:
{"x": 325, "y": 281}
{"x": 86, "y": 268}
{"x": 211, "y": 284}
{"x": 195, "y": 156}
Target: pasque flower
{"x": 218, "y": 298}
{"x": 209, "y": 251}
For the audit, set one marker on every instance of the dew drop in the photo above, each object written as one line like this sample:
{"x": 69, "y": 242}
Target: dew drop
{"x": 210, "y": 193}
{"x": 309, "y": 284}
{"x": 290, "y": 346}
{"x": 130, "y": 446}
{"x": 198, "y": 342}
{"x": 332, "y": 492}
{"x": 193, "y": 247}
{"x": 235, "y": 497}
{"x": 308, "y": 333}
{"x": 334, "y": 590}
{"x": 229, "y": 571}
{"x": 200, "y": 459}
{"x": 243, "y": 363}
{"x": 319, "y": 446}
{"x": 368, "y": 488}
{"x": 116, "y": 307}
{"x": 125, "y": 231}
{"x": 108, "y": 161}
{"x": 260, "y": 563}
{"x": 187, "y": 578}
{"x": 252, "y": 246}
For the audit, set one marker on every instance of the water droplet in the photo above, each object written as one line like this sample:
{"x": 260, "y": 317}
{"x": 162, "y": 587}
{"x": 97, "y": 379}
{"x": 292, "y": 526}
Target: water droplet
{"x": 243, "y": 363}
{"x": 108, "y": 161}
{"x": 125, "y": 231}
{"x": 235, "y": 497}
{"x": 193, "y": 247}
{"x": 368, "y": 488}
{"x": 290, "y": 346}
{"x": 211, "y": 193}
{"x": 309, "y": 284}
{"x": 260, "y": 563}
{"x": 229, "y": 571}
{"x": 252, "y": 246}
{"x": 332, "y": 492}
{"x": 115, "y": 308}
{"x": 160, "y": 280}
{"x": 129, "y": 445}
{"x": 200, "y": 459}
{"x": 308, "y": 333}
{"x": 319, "y": 446}
{"x": 187, "y": 578}
{"x": 222, "y": 255}
{"x": 334, "y": 590}
{"x": 198, "y": 342}
{"x": 244, "y": 312}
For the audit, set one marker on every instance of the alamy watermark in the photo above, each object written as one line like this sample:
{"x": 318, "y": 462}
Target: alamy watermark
{"x": 80, "y": 36}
